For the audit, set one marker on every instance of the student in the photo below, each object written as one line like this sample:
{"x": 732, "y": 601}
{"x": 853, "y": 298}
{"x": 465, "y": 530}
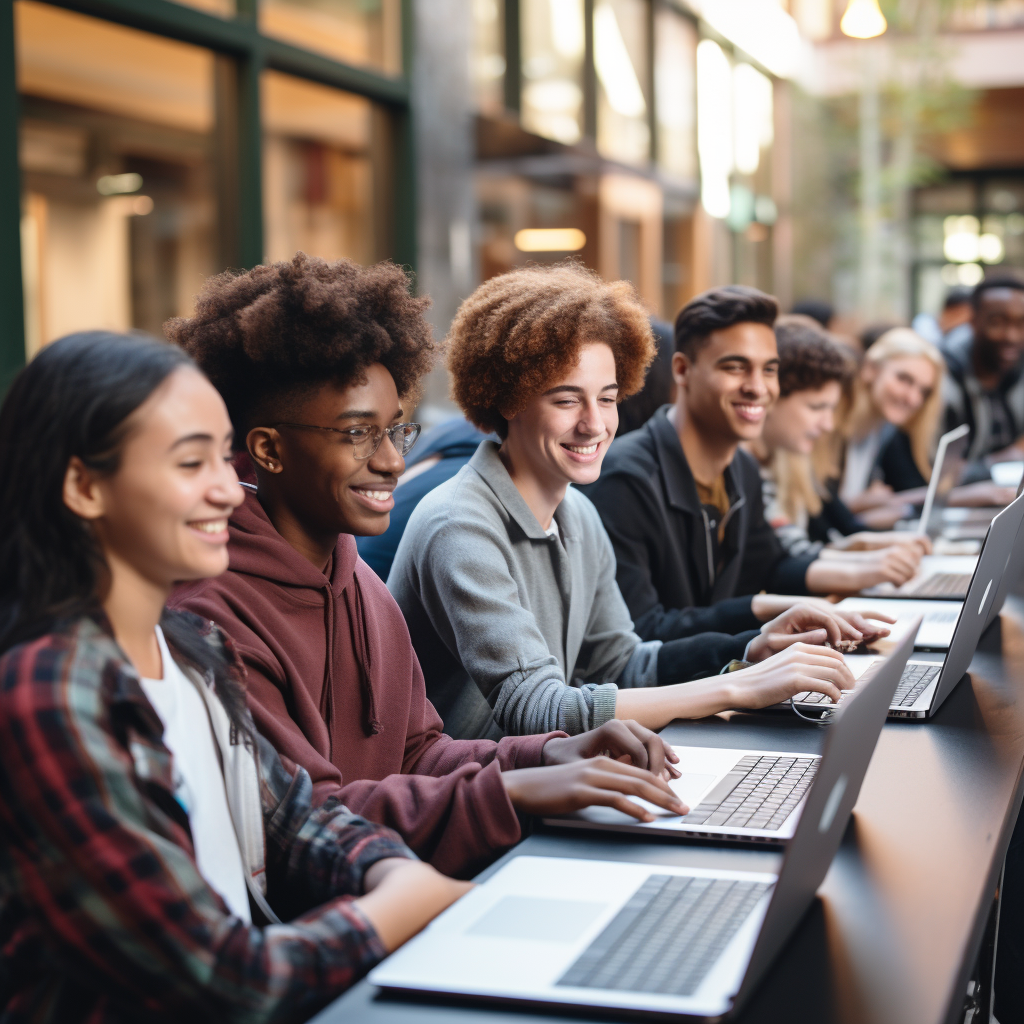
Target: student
{"x": 505, "y": 574}
{"x": 682, "y": 502}
{"x": 806, "y": 517}
{"x": 888, "y": 430}
{"x": 313, "y": 358}
{"x": 985, "y": 385}
{"x": 149, "y": 836}
{"x": 889, "y": 427}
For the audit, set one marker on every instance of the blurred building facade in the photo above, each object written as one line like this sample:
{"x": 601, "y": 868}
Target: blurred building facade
{"x": 147, "y": 144}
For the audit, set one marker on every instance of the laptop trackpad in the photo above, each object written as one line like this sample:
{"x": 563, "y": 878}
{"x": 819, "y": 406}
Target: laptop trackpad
{"x": 537, "y": 919}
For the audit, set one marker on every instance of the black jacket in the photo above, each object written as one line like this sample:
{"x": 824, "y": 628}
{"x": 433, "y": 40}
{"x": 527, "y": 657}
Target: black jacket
{"x": 648, "y": 501}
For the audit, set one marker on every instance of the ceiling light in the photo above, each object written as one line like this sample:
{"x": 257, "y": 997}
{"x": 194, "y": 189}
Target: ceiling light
{"x": 863, "y": 20}
{"x": 990, "y": 248}
{"x": 119, "y": 184}
{"x": 550, "y": 240}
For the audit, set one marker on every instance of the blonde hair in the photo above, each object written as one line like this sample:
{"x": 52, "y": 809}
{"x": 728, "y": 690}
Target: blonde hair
{"x": 798, "y": 490}
{"x": 857, "y": 414}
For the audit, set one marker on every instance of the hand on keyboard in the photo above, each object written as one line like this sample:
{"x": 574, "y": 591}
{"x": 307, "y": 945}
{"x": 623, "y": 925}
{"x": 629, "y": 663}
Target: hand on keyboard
{"x": 810, "y": 624}
{"x": 800, "y": 667}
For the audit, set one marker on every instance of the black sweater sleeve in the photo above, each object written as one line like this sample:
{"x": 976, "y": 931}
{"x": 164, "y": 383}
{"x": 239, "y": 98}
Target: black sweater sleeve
{"x": 695, "y": 657}
{"x": 628, "y": 512}
{"x": 766, "y": 566}
{"x": 896, "y": 461}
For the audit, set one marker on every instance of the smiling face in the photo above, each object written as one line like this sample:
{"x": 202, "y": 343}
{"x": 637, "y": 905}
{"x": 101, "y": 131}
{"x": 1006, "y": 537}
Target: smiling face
{"x": 165, "y": 511}
{"x": 562, "y": 435}
{"x": 795, "y": 422}
{"x": 899, "y": 386}
{"x": 315, "y": 473}
{"x": 999, "y": 328}
{"x": 731, "y": 382}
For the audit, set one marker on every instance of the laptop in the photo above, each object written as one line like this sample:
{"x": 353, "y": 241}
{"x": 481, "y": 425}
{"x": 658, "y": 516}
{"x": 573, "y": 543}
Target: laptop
{"x": 1001, "y": 551}
{"x": 926, "y": 684}
{"x": 939, "y": 577}
{"x": 734, "y": 795}
{"x": 681, "y": 941}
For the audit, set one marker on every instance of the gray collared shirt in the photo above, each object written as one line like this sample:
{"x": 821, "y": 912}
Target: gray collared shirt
{"x": 517, "y": 631}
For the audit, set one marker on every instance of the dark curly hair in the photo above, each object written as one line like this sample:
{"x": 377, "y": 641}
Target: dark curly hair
{"x": 808, "y": 357}
{"x": 270, "y": 335}
{"x": 518, "y": 332}
{"x": 719, "y": 309}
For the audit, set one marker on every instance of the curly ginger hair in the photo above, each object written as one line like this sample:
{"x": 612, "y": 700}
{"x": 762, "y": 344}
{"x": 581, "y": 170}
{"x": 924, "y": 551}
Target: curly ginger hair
{"x": 521, "y": 331}
{"x": 274, "y": 333}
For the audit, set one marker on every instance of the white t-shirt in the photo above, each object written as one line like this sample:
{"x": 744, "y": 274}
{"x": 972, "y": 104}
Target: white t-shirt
{"x": 199, "y": 781}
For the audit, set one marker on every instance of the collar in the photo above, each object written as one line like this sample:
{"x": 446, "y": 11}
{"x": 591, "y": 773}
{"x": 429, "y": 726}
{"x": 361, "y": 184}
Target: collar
{"x": 680, "y": 486}
{"x": 488, "y": 465}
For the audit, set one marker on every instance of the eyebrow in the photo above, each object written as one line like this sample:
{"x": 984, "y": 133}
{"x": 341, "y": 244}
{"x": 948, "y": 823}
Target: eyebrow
{"x": 735, "y": 357}
{"x": 577, "y": 390}
{"x": 189, "y": 438}
{"x": 362, "y": 414}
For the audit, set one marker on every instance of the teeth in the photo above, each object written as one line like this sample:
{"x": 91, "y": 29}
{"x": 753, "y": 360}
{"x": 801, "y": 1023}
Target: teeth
{"x": 211, "y": 526}
{"x": 581, "y": 449}
{"x": 751, "y": 409}
{"x": 375, "y": 495}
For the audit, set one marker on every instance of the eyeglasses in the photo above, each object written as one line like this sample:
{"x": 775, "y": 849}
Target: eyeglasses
{"x": 365, "y": 440}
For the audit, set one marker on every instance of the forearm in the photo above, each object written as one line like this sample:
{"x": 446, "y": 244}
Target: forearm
{"x": 655, "y": 708}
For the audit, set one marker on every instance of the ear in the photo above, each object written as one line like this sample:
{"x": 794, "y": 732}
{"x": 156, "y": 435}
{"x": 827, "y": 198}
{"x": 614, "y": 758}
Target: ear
{"x": 264, "y": 444}
{"x": 681, "y": 367}
{"x": 868, "y": 371}
{"x": 80, "y": 492}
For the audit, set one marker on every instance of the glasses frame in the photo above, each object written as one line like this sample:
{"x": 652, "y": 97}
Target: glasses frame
{"x": 392, "y": 433}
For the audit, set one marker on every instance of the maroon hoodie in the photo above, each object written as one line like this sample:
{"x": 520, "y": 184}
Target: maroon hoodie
{"x": 334, "y": 684}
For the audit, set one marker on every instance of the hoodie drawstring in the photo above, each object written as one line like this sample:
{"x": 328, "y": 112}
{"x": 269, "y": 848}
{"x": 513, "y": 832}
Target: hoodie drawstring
{"x": 361, "y": 647}
{"x": 327, "y": 693}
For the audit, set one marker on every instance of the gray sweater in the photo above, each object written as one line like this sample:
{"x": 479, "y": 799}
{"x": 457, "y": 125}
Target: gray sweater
{"x": 517, "y": 631}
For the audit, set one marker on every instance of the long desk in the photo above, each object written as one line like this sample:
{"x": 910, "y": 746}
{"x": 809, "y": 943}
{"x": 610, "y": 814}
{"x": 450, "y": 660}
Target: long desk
{"x": 898, "y": 924}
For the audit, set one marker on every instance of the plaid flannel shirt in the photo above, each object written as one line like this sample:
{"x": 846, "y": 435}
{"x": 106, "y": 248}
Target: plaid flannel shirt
{"x": 104, "y": 916}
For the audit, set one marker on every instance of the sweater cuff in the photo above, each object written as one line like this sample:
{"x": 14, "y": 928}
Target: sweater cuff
{"x": 737, "y": 615}
{"x": 605, "y": 697}
{"x": 790, "y": 575}
{"x": 524, "y": 751}
{"x": 498, "y": 823}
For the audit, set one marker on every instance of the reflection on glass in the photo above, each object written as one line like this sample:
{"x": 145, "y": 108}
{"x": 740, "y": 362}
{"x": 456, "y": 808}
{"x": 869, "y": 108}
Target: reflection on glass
{"x": 622, "y": 64}
{"x": 552, "y": 44}
{"x": 322, "y": 158}
{"x": 489, "y": 55}
{"x": 118, "y": 209}
{"x": 752, "y": 116}
{"x": 363, "y": 32}
{"x": 675, "y": 48}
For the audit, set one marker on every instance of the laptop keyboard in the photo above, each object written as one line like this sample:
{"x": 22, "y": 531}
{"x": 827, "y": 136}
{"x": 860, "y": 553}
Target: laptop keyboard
{"x": 759, "y": 792}
{"x": 942, "y": 584}
{"x": 667, "y": 937}
{"x": 912, "y": 684}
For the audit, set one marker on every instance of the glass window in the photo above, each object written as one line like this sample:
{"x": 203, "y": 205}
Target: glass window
{"x": 324, "y": 171}
{"x": 363, "y": 32}
{"x": 553, "y": 41}
{"x": 675, "y": 57}
{"x": 622, "y": 63}
{"x": 489, "y": 55}
{"x": 119, "y": 225}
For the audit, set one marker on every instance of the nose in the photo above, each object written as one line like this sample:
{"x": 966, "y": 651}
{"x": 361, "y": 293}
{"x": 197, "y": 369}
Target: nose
{"x": 386, "y": 459}
{"x": 226, "y": 489}
{"x": 828, "y": 421}
{"x": 590, "y": 422}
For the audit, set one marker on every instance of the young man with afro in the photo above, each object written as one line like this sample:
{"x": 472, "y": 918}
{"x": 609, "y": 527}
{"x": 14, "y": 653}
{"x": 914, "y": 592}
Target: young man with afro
{"x": 317, "y": 363}
{"x": 505, "y": 573}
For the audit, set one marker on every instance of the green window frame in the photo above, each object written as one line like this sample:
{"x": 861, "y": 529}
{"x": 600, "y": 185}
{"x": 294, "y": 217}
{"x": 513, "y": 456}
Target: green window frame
{"x": 242, "y": 52}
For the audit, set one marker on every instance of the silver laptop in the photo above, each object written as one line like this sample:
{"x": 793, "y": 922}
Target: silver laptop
{"x": 546, "y": 931}
{"x": 926, "y": 684}
{"x": 939, "y": 577}
{"x": 734, "y": 795}
{"x": 1004, "y": 543}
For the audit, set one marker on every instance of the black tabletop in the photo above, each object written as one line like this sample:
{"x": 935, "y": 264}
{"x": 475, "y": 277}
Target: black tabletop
{"x": 898, "y": 921}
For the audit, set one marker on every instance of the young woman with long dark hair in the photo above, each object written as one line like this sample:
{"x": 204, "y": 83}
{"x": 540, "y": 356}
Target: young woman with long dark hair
{"x": 150, "y": 842}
